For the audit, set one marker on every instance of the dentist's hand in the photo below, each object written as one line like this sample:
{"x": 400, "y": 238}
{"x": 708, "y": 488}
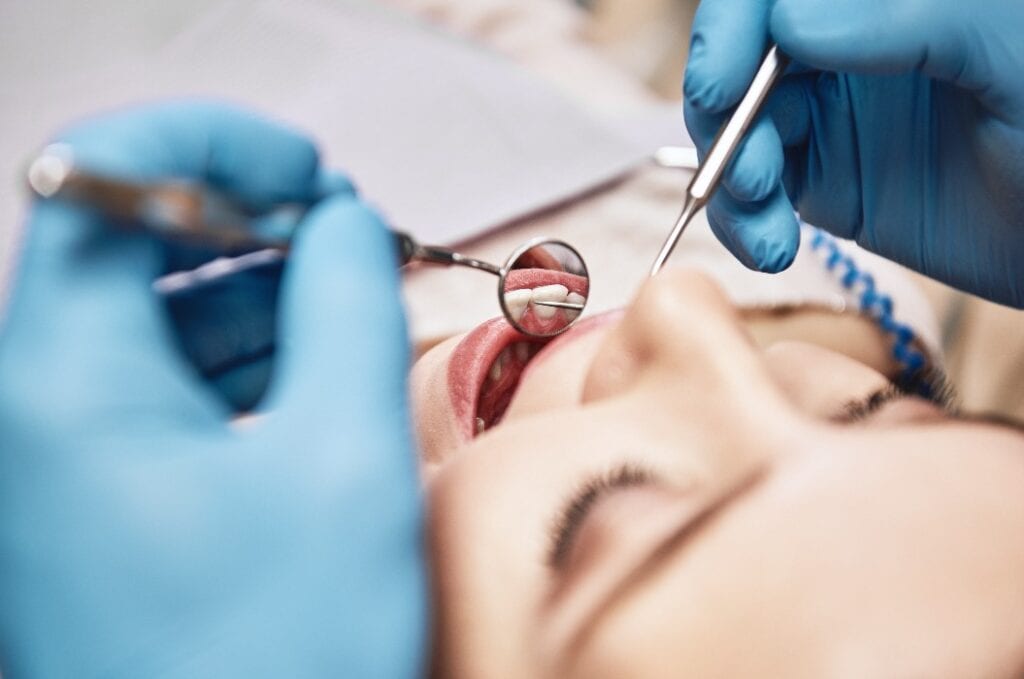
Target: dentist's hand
{"x": 140, "y": 533}
{"x": 902, "y": 127}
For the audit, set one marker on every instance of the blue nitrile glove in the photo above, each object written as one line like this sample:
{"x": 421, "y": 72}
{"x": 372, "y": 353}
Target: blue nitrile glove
{"x": 140, "y": 533}
{"x": 902, "y": 124}
{"x": 227, "y": 328}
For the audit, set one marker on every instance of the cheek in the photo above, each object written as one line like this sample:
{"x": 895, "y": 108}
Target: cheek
{"x": 555, "y": 380}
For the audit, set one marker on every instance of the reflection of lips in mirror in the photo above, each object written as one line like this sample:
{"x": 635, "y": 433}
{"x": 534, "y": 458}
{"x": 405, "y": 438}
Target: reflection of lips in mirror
{"x": 539, "y": 258}
{"x": 524, "y": 288}
{"x": 518, "y": 279}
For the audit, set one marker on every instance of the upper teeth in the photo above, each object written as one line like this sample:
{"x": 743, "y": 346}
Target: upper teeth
{"x": 548, "y": 293}
{"x": 574, "y": 298}
{"x": 517, "y": 301}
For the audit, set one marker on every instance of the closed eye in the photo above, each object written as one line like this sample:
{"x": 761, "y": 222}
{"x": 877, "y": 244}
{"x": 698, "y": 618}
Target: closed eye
{"x": 574, "y": 512}
{"x": 930, "y": 384}
{"x": 858, "y": 411}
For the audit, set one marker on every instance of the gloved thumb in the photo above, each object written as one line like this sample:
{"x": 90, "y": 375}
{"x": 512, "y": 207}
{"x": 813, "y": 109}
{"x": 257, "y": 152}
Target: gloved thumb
{"x": 343, "y": 352}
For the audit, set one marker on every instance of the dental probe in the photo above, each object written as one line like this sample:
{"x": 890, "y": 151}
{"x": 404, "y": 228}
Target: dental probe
{"x": 724, "y": 148}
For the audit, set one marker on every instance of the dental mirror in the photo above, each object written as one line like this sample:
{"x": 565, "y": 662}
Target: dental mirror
{"x": 543, "y": 287}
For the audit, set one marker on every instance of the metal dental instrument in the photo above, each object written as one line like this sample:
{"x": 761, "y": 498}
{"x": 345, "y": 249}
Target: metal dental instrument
{"x": 566, "y": 276}
{"x": 724, "y": 148}
{"x": 183, "y": 212}
{"x": 193, "y": 214}
{"x": 179, "y": 211}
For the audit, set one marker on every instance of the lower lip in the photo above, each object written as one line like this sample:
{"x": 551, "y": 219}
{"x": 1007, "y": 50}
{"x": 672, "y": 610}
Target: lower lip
{"x": 468, "y": 366}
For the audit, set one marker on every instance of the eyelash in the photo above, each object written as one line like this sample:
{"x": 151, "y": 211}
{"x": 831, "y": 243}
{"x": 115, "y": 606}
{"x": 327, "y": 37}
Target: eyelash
{"x": 569, "y": 521}
{"x": 858, "y": 411}
{"x": 929, "y": 384}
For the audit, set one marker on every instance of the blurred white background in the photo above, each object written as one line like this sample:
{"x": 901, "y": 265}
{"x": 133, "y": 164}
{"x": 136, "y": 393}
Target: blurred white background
{"x": 58, "y": 56}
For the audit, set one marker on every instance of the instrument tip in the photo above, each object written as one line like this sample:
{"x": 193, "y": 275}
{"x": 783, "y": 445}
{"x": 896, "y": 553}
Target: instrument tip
{"x": 690, "y": 208}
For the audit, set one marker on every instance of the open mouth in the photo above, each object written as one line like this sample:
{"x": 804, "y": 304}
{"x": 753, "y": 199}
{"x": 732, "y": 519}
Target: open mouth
{"x": 484, "y": 372}
{"x": 485, "y": 368}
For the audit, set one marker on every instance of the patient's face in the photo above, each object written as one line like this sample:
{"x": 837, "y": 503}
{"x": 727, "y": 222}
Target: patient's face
{"x": 661, "y": 498}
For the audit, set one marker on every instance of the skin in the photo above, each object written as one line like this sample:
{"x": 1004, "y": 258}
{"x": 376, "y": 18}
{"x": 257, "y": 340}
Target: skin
{"x": 769, "y": 540}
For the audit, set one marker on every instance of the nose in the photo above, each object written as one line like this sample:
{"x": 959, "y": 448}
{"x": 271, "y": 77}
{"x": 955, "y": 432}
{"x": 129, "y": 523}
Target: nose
{"x": 685, "y": 338}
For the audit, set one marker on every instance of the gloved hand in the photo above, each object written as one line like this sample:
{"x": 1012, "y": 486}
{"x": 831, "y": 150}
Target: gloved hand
{"x": 140, "y": 533}
{"x": 901, "y": 126}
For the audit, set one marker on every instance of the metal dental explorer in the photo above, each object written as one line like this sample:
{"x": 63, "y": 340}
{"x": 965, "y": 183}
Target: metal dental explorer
{"x": 724, "y": 148}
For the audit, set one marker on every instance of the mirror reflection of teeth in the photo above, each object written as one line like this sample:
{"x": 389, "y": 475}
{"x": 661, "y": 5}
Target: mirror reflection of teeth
{"x": 575, "y": 298}
{"x": 548, "y": 293}
{"x": 516, "y": 301}
{"x": 546, "y": 300}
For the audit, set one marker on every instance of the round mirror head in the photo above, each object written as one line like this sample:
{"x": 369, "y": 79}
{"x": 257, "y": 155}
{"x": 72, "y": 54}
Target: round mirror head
{"x": 543, "y": 287}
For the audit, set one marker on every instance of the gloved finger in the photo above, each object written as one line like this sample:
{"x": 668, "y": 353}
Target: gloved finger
{"x": 344, "y": 345}
{"x": 228, "y": 329}
{"x": 726, "y": 47}
{"x": 330, "y": 182}
{"x": 882, "y": 36}
{"x": 756, "y": 169}
{"x": 89, "y": 288}
{"x": 84, "y": 333}
{"x": 764, "y": 236}
{"x": 789, "y": 108}
{"x": 823, "y": 173}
